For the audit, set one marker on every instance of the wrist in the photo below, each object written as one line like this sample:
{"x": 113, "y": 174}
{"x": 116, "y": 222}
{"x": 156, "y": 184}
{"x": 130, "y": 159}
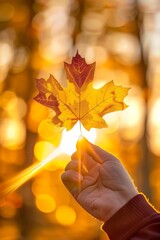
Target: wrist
{"x": 122, "y": 198}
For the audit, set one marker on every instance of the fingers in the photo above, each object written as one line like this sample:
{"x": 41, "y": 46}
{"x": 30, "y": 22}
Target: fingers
{"x": 76, "y": 166}
{"x": 86, "y": 161}
{"x": 97, "y": 153}
{"x": 71, "y": 180}
{"x": 71, "y": 176}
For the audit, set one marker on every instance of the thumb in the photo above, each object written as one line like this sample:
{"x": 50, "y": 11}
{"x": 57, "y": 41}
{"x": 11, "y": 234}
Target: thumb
{"x": 97, "y": 153}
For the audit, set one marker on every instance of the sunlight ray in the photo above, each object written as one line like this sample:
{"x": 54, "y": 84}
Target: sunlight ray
{"x": 17, "y": 181}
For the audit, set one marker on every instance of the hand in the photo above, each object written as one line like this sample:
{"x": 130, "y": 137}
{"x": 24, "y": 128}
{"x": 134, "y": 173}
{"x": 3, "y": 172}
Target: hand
{"x": 98, "y": 181}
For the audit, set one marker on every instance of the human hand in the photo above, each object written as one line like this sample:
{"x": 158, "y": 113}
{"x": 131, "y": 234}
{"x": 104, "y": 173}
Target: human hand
{"x": 98, "y": 181}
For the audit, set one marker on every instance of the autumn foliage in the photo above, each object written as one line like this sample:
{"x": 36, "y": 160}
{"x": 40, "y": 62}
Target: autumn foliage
{"x": 79, "y": 100}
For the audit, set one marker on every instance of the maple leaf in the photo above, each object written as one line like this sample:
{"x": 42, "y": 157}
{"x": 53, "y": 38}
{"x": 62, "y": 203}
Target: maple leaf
{"x": 79, "y": 100}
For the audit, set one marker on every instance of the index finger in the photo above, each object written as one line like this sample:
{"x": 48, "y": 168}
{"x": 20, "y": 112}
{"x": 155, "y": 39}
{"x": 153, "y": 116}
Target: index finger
{"x": 86, "y": 159}
{"x": 97, "y": 153}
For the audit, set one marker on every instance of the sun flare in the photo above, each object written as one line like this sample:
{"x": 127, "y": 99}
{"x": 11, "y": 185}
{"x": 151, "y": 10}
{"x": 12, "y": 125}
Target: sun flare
{"x": 70, "y": 138}
{"x": 67, "y": 146}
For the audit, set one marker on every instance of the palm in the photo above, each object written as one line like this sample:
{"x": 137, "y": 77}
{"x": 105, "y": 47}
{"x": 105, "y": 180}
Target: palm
{"x": 94, "y": 194}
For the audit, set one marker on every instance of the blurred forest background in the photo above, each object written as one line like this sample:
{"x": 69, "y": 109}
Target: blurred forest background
{"x": 36, "y": 37}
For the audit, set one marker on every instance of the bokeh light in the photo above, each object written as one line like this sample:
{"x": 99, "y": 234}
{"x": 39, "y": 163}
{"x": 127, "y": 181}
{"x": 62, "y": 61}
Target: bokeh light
{"x": 133, "y": 117}
{"x": 154, "y": 126}
{"x": 49, "y": 132}
{"x": 37, "y": 113}
{"x": 65, "y": 215}
{"x": 13, "y": 133}
{"x": 45, "y": 203}
{"x": 42, "y": 149}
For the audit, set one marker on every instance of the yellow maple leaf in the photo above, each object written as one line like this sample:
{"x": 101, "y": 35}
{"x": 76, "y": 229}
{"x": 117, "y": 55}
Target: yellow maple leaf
{"x": 79, "y": 100}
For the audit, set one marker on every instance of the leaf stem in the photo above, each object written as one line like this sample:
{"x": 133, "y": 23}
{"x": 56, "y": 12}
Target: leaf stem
{"x": 80, "y": 127}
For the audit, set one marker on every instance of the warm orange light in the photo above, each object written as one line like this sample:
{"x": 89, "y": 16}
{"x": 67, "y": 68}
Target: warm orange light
{"x": 93, "y": 22}
{"x": 26, "y": 174}
{"x": 154, "y": 112}
{"x": 125, "y": 46}
{"x": 6, "y": 53}
{"x": 16, "y": 108}
{"x": 46, "y": 152}
{"x": 45, "y": 203}
{"x": 13, "y": 133}
{"x": 112, "y": 120}
{"x": 154, "y": 126}
{"x": 42, "y": 149}
{"x": 8, "y": 211}
{"x": 5, "y": 98}
{"x": 59, "y": 162}
{"x": 132, "y": 118}
{"x": 65, "y": 215}
{"x": 10, "y": 230}
{"x": 37, "y": 113}
{"x": 70, "y": 138}
{"x": 53, "y": 50}
{"x": 48, "y": 131}
{"x": 154, "y": 178}
{"x": 39, "y": 185}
